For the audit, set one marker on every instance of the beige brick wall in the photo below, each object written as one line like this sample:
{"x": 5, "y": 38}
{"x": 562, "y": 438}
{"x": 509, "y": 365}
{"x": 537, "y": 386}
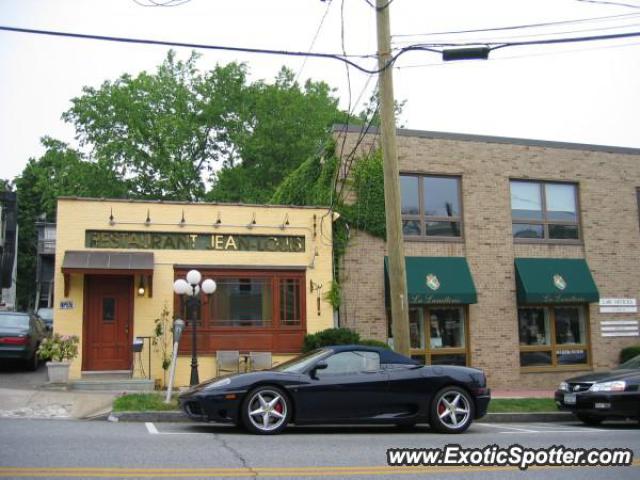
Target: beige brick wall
{"x": 611, "y": 243}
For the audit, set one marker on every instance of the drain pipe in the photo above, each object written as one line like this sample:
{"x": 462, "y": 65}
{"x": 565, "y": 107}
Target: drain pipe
{"x": 178, "y": 327}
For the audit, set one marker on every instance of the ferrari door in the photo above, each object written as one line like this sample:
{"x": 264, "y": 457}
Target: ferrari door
{"x": 352, "y": 387}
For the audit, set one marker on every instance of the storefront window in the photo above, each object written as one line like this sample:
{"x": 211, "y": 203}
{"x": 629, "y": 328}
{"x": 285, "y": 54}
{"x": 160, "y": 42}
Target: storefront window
{"x": 544, "y": 210}
{"x": 438, "y": 335}
{"x": 264, "y": 310}
{"x": 431, "y": 206}
{"x": 553, "y": 336}
{"x": 242, "y": 302}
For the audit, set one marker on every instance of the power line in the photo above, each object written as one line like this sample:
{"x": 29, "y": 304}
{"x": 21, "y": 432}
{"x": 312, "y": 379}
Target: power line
{"x": 165, "y": 43}
{"x": 500, "y": 40}
{"x": 430, "y": 47}
{"x": 315, "y": 37}
{"x": 161, "y": 3}
{"x": 615, "y": 4}
{"x": 518, "y": 27}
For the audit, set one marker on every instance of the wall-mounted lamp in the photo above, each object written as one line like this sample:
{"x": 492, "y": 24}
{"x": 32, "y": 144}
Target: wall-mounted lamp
{"x": 316, "y": 287}
{"x": 182, "y": 220}
{"x": 111, "y": 219}
{"x": 252, "y": 222}
{"x": 141, "y": 288}
{"x": 218, "y": 221}
{"x": 147, "y": 221}
{"x": 313, "y": 259}
{"x": 285, "y": 222}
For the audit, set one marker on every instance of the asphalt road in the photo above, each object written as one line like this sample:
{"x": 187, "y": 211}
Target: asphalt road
{"x": 81, "y": 449}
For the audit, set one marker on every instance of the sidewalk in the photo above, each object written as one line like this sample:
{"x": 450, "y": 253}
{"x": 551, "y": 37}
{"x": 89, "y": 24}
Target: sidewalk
{"x": 522, "y": 393}
{"x": 40, "y": 403}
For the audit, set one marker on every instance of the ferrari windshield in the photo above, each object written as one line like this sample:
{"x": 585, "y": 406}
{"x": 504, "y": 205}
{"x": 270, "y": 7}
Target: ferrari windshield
{"x": 301, "y": 363}
{"x": 630, "y": 364}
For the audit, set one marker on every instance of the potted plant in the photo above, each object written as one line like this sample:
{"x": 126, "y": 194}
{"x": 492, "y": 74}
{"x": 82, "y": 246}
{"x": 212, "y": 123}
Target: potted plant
{"x": 60, "y": 349}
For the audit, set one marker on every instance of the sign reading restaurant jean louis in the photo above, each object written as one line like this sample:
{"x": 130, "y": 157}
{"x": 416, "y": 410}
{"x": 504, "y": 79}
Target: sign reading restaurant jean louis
{"x": 193, "y": 241}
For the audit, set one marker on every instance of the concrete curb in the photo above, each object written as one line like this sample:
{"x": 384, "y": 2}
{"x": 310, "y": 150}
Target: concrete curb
{"x": 156, "y": 417}
{"x": 176, "y": 416}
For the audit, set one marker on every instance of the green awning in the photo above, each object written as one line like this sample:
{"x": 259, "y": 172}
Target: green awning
{"x": 437, "y": 280}
{"x": 555, "y": 280}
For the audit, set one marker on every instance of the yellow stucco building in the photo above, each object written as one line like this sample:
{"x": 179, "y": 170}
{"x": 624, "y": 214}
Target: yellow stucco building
{"x": 117, "y": 260}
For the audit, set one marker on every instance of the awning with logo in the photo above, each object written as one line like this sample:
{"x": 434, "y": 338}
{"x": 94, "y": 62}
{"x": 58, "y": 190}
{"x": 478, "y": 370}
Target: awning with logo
{"x": 437, "y": 280}
{"x": 555, "y": 280}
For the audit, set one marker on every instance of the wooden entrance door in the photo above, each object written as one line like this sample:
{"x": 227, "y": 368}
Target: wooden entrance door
{"x": 108, "y": 323}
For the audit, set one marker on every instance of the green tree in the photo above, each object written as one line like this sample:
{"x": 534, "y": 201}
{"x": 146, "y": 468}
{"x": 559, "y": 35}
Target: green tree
{"x": 61, "y": 171}
{"x": 281, "y": 125}
{"x": 162, "y": 132}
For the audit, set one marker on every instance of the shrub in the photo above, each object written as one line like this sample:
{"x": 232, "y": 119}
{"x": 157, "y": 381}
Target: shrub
{"x": 59, "y": 348}
{"x": 330, "y": 336}
{"x": 629, "y": 352}
{"x": 374, "y": 343}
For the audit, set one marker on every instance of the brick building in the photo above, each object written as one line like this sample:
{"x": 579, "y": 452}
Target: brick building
{"x": 511, "y": 244}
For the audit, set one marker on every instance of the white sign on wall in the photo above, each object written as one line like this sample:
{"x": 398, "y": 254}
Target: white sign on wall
{"x": 619, "y": 328}
{"x": 618, "y": 305}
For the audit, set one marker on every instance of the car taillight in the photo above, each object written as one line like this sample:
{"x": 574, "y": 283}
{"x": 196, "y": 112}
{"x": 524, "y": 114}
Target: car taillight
{"x": 15, "y": 340}
{"x": 481, "y": 391}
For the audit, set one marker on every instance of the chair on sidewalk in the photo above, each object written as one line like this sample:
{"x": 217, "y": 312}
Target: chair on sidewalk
{"x": 260, "y": 361}
{"x": 227, "y": 361}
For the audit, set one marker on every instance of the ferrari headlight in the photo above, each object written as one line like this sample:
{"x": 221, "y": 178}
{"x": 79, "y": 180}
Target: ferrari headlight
{"x": 219, "y": 383}
{"x": 617, "y": 386}
{"x": 564, "y": 387}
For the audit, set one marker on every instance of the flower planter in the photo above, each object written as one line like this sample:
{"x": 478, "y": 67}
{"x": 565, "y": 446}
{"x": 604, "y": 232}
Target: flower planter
{"x": 58, "y": 372}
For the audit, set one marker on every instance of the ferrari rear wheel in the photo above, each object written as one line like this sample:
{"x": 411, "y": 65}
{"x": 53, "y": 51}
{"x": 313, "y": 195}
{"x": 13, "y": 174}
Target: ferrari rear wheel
{"x": 266, "y": 410}
{"x": 451, "y": 410}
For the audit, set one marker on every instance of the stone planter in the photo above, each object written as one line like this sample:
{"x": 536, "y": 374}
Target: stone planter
{"x": 58, "y": 372}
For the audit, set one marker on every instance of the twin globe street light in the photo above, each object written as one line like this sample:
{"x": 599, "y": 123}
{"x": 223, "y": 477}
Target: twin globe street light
{"x": 191, "y": 289}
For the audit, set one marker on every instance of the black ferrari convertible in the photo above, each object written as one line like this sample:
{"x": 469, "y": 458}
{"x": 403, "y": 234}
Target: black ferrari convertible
{"x": 343, "y": 384}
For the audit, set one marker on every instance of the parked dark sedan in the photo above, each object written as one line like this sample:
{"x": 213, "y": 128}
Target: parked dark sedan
{"x": 20, "y": 336}
{"x": 343, "y": 384}
{"x": 599, "y": 396}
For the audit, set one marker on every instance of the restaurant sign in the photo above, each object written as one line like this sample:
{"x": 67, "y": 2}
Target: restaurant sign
{"x": 193, "y": 241}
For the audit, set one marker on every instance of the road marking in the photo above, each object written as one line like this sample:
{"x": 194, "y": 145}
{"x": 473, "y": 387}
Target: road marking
{"x": 151, "y": 428}
{"x": 517, "y": 430}
{"x": 253, "y": 472}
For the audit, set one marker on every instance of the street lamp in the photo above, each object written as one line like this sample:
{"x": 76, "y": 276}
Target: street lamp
{"x": 191, "y": 288}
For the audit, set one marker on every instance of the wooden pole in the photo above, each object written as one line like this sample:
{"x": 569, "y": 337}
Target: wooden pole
{"x": 395, "y": 243}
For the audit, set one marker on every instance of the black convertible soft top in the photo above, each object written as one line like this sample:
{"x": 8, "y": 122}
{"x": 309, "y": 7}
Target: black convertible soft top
{"x": 386, "y": 356}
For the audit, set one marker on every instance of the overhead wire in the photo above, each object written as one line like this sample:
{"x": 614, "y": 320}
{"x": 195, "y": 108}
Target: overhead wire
{"x": 315, "y": 37}
{"x": 518, "y": 27}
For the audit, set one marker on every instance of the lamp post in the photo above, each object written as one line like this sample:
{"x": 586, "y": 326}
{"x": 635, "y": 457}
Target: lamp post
{"x": 191, "y": 288}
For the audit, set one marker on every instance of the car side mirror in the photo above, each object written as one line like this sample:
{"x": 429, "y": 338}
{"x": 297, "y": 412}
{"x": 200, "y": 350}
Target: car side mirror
{"x": 316, "y": 367}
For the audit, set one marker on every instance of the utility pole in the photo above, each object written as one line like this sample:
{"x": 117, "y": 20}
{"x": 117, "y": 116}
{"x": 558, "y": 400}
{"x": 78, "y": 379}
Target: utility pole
{"x": 395, "y": 243}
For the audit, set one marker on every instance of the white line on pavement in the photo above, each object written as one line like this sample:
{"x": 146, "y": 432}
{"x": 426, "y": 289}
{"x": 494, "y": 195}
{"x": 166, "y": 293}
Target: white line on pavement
{"x": 521, "y": 430}
{"x": 151, "y": 428}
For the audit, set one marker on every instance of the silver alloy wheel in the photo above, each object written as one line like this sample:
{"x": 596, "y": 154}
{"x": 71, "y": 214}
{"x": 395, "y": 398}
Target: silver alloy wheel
{"x": 267, "y": 410}
{"x": 453, "y": 409}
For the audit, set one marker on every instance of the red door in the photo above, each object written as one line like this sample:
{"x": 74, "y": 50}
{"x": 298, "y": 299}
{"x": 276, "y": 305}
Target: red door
{"x": 108, "y": 326}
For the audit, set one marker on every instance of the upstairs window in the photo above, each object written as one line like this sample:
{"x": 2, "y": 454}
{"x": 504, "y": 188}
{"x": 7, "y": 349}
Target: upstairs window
{"x": 431, "y": 206}
{"x": 544, "y": 211}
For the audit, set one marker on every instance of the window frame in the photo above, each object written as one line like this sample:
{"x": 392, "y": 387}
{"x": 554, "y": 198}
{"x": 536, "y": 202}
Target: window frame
{"x": 428, "y": 352}
{"x": 553, "y": 345}
{"x": 276, "y": 336}
{"x": 545, "y": 222}
{"x": 423, "y": 219}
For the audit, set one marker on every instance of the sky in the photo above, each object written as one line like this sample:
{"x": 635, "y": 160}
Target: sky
{"x": 583, "y": 93}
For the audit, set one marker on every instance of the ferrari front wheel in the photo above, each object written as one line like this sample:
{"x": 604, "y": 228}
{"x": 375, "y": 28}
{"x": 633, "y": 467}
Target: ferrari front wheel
{"x": 266, "y": 410}
{"x": 451, "y": 410}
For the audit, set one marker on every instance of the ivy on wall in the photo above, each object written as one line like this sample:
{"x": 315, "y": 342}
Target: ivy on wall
{"x": 312, "y": 184}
